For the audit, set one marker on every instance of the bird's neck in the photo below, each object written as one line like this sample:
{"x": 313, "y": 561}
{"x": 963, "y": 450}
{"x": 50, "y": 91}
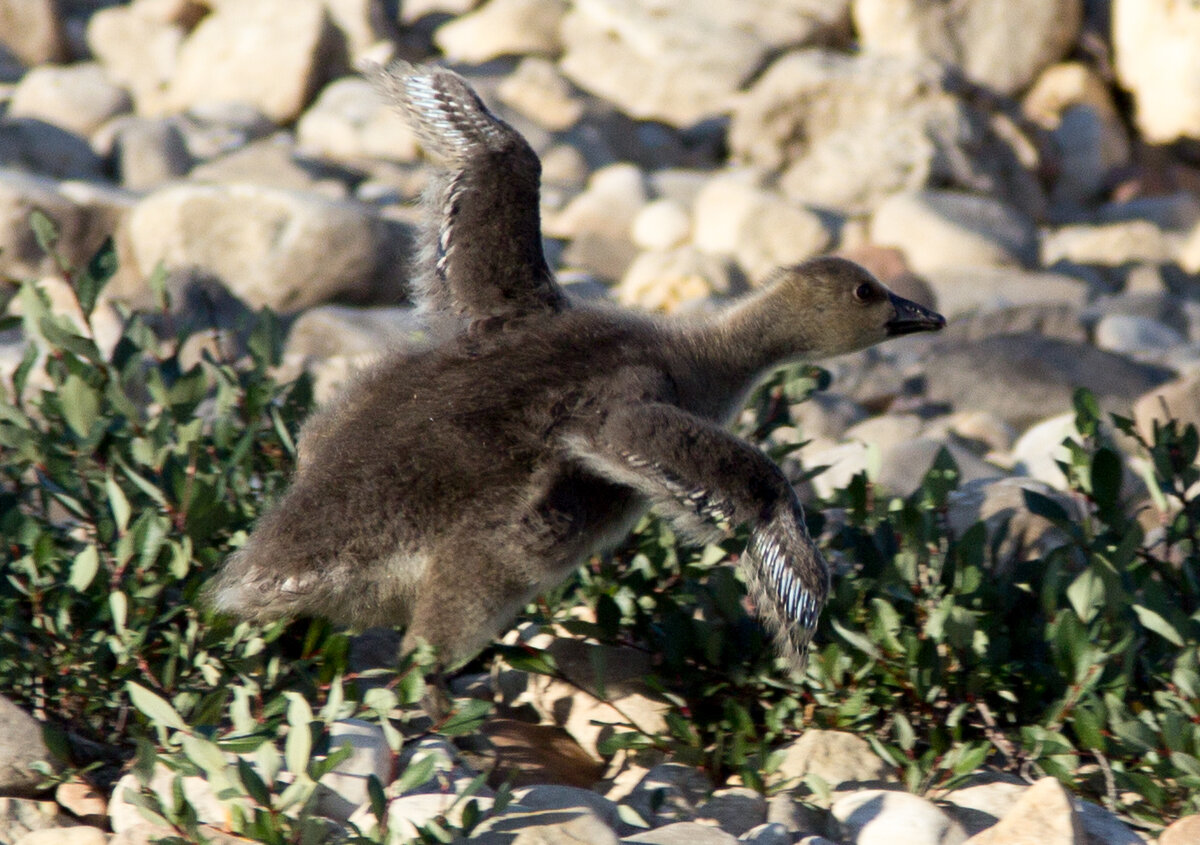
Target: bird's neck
{"x": 732, "y": 350}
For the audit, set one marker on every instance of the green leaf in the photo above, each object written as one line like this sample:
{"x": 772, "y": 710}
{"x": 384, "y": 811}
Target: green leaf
{"x": 859, "y": 641}
{"x": 417, "y": 773}
{"x": 84, "y": 568}
{"x": 44, "y": 231}
{"x": 1086, "y": 594}
{"x": 101, "y": 268}
{"x": 253, "y": 784}
{"x": 1043, "y": 506}
{"x": 80, "y": 404}
{"x": 158, "y": 710}
{"x": 466, "y": 719}
{"x": 118, "y": 503}
{"x": 376, "y": 796}
{"x": 297, "y": 748}
{"x": 1158, "y": 624}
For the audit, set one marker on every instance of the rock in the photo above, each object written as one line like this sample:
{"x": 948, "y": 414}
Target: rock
{"x": 1063, "y": 320}
{"x": 1043, "y": 815}
{"x": 1135, "y": 335}
{"x": 272, "y": 54}
{"x": 843, "y": 760}
{"x": 938, "y": 229}
{"x": 779, "y": 234}
{"x": 903, "y": 467}
{"x": 272, "y": 247}
{"x": 350, "y": 121}
{"x": 682, "y": 833}
{"x": 999, "y": 503}
{"x": 1184, "y": 831}
{"x": 612, "y": 198}
{"x": 40, "y": 147}
{"x": 77, "y": 835}
{"x": 19, "y": 816}
{"x": 502, "y": 28}
{"x": 344, "y": 789}
{"x": 1107, "y": 245}
{"x": 1179, "y": 399}
{"x": 78, "y": 98}
{"x": 123, "y": 815}
{"x": 138, "y": 50}
{"x": 671, "y": 280}
{"x": 785, "y": 23}
{"x": 217, "y": 129}
{"x": 547, "y": 797}
{"x": 722, "y": 206}
{"x": 1072, "y": 103}
{"x": 541, "y": 754}
{"x": 669, "y": 792}
{"x": 851, "y": 130}
{"x": 883, "y": 817}
{"x": 671, "y": 62}
{"x": 274, "y": 162}
{"x": 32, "y": 29}
{"x": 20, "y": 746}
{"x": 408, "y": 813}
{"x": 362, "y": 23}
{"x": 1154, "y": 40}
{"x": 972, "y": 290}
{"x": 81, "y": 800}
{"x": 1101, "y": 826}
{"x": 767, "y": 834}
{"x": 735, "y": 810}
{"x": 987, "y": 799}
{"x": 661, "y": 225}
{"x": 540, "y": 93}
{"x": 1022, "y": 378}
{"x": 84, "y": 216}
{"x": 326, "y": 331}
{"x": 576, "y": 703}
{"x": 149, "y": 151}
{"x": 567, "y": 826}
{"x": 994, "y": 42}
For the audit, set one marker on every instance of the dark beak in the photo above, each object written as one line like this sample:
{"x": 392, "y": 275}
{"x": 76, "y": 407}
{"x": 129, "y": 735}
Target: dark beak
{"x": 911, "y": 318}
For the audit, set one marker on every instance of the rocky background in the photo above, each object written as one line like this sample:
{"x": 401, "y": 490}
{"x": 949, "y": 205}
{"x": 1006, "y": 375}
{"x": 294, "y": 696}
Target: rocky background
{"x": 1029, "y": 168}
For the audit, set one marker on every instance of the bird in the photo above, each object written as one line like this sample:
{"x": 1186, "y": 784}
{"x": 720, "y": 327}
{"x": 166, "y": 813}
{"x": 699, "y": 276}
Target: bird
{"x": 466, "y": 473}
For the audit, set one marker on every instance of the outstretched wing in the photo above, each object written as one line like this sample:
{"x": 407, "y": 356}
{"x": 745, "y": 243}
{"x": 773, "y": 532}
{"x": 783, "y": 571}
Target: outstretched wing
{"x": 482, "y": 255}
{"x": 707, "y": 481}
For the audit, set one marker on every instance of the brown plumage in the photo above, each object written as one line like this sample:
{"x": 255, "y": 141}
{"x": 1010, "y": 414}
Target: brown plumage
{"x": 456, "y": 480}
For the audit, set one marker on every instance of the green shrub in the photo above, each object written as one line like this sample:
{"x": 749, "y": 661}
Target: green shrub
{"x": 127, "y": 476}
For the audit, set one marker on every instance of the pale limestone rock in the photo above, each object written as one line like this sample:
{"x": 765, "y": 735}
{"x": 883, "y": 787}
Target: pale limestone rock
{"x": 326, "y": 331}
{"x": 20, "y": 745}
{"x": 1108, "y": 244}
{"x": 32, "y": 29}
{"x": 840, "y": 759}
{"x": 965, "y": 290}
{"x": 1179, "y": 399}
{"x": 538, "y": 91}
{"x": 85, "y": 215}
{"x": 577, "y": 705}
{"x": 668, "y": 281}
{"x": 883, "y": 817}
{"x": 351, "y": 121}
{"x": 735, "y": 810}
{"x": 272, "y": 54}
{"x": 1000, "y": 43}
{"x": 408, "y": 813}
{"x": 1154, "y": 46}
{"x": 722, "y": 205}
{"x": 148, "y": 151}
{"x": 75, "y": 835}
{"x": 783, "y": 23}
{"x": 344, "y": 789}
{"x": 661, "y": 225}
{"x": 666, "y": 60}
{"x": 80, "y": 799}
{"x": 778, "y": 234}
{"x": 1184, "y": 831}
{"x": 1045, "y": 814}
{"x": 669, "y": 792}
{"x": 503, "y": 28}
{"x": 613, "y": 197}
{"x": 137, "y": 50}
{"x": 363, "y": 23}
{"x": 1000, "y": 505}
{"x": 1072, "y": 103}
{"x": 848, "y": 131}
{"x": 414, "y": 10}
{"x": 937, "y": 229}
{"x": 271, "y": 247}
{"x": 682, "y": 833}
{"x": 123, "y": 814}
{"x": 78, "y": 97}
{"x": 565, "y": 826}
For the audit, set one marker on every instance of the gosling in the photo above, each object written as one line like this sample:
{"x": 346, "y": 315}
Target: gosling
{"x": 455, "y": 480}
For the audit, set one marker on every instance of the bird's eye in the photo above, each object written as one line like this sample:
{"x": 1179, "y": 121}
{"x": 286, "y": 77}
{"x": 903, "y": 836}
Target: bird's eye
{"x": 863, "y": 292}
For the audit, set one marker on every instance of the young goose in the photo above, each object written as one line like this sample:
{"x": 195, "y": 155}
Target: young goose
{"x": 455, "y": 481}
